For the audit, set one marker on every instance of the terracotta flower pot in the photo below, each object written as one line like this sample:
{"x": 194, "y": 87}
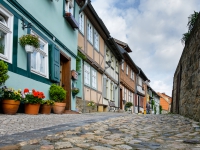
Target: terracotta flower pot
{"x": 32, "y": 109}
{"x": 10, "y": 107}
{"x": 58, "y": 108}
{"x": 45, "y": 109}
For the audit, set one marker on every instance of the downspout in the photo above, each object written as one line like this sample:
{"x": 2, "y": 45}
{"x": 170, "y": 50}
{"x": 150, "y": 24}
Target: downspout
{"x": 86, "y": 2}
{"x": 136, "y": 83}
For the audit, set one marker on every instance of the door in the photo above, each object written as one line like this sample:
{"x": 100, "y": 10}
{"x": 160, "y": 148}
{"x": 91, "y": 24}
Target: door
{"x": 65, "y": 78}
{"x": 121, "y": 99}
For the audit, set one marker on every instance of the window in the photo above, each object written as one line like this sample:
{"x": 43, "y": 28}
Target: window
{"x": 107, "y": 55}
{"x": 124, "y": 93}
{"x": 96, "y": 40}
{"x": 139, "y": 81}
{"x": 81, "y": 22}
{"x": 122, "y": 66}
{"x": 94, "y": 79}
{"x": 86, "y": 74}
{"x": 69, "y": 6}
{"x": 112, "y": 61}
{"x": 132, "y": 75}
{"x": 129, "y": 96}
{"x": 127, "y": 69}
{"x": 6, "y": 34}
{"x": 39, "y": 58}
{"x": 111, "y": 91}
{"x": 90, "y": 32}
{"x": 116, "y": 67}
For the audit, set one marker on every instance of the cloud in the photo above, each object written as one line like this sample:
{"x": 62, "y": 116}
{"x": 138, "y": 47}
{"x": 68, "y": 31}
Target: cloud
{"x": 153, "y": 30}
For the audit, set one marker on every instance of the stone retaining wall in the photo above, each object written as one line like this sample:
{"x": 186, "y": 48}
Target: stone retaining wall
{"x": 186, "y": 84}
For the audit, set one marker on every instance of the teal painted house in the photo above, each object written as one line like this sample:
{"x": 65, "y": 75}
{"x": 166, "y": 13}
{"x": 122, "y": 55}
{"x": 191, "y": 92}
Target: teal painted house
{"x": 55, "y": 22}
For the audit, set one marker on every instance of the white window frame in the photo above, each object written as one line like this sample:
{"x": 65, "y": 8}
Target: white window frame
{"x": 129, "y": 96}
{"x": 45, "y": 54}
{"x": 96, "y": 40}
{"x": 125, "y": 96}
{"x": 117, "y": 66}
{"x": 132, "y": 74}
{"x": 127, "y": 69}
{"x": 140, "y": 81}
{"x": 89, "y": 32}
{"x": 122, "y": 66}
{"x": 7, "y": 28}
{"x": 94, "y": 78}
{"x": 111, "y": 91}
{"x": 86, "y": 74}
{"x": 81, "y": 22}
{"x": 69, "y": 6}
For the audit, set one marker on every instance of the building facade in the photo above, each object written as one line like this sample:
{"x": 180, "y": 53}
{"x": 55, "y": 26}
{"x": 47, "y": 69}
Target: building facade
{"x": 55, "y": 23}
{"x": 165, "y": 102}
{"x": 128, "y": 71}
{"x": 100, "y": 82}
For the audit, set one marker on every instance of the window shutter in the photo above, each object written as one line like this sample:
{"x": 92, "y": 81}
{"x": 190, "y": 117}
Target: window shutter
{"x": 54, "y": 63}
{"x": 114, "y": 88}
{"x": 104, "y": 88}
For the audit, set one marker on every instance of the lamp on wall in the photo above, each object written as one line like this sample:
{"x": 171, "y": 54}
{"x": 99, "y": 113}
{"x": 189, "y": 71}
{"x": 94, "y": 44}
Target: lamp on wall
{"x": 29, "y": 25}
{"x": 109, "y": 64}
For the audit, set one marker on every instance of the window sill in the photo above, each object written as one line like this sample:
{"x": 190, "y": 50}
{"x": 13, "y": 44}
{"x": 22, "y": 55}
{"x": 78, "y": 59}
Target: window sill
{"x": 38, "y": 73}
{"x": 71, "y": 20}
{"x": 4, "y": 58}
{"x": 90, "y": 42}
{"x": 81, "y": 33}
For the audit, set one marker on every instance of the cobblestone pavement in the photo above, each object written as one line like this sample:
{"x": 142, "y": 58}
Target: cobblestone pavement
{"x": 118, "y": 131}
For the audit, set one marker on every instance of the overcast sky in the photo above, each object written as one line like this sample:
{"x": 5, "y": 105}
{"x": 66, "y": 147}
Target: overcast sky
{"x": 153, "y": 30}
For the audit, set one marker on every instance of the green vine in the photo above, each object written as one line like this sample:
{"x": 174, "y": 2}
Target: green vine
{"x": 160, "y": 109}
{"x": 155, "y": 109}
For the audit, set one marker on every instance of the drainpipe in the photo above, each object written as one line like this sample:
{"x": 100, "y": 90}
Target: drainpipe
{"x": 136, "y": 82}
{"x": 86, "y": 2}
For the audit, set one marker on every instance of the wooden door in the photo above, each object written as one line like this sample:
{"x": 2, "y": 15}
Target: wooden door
{"x": 65, "y": 78}
{"x": 121, "y": 99}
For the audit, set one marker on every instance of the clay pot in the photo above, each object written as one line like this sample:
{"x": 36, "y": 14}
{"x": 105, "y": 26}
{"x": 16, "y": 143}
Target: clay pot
{"x": 58, "y": 108}
{"x": 45, "y": 109}
{"x": 10, "y": 107}
{"x": 32, "y": 109}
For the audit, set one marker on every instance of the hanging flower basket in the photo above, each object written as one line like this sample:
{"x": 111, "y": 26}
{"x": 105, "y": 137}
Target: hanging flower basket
{"x": 29, "y": 42}
{"x": 29, "y": 48}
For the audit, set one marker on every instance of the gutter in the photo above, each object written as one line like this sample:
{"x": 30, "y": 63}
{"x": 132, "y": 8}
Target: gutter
{"x": 136, "y": 90}
{"x": 83, "y": 6}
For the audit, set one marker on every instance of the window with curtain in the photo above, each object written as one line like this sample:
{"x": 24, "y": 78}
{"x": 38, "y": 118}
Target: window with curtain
{"x": 39, "y": 58}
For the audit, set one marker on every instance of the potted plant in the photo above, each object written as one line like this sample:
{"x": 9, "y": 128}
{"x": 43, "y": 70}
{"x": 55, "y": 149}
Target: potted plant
{"x": 32, "y": 100}
{"x": 11, "y": 100}
{"x": 3, "y": 75}
{"x": 128, "y": 105}
{"x": 30, "y": 42}
{"x": 46, "y": 106}
{"x": 58, "y": 94}
{"x": 75, "y": 91}
{"x": 91, "y": 104}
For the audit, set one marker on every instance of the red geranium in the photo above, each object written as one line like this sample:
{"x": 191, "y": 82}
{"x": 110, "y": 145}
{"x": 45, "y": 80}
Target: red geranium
{"x": 26, "y": 90}
{"x": 33, "y": 97}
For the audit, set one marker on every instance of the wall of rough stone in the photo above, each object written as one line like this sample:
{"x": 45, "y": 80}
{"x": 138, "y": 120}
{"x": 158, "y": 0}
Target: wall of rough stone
{"x": 189, "y": 69}
{"x": 81, "y": 105}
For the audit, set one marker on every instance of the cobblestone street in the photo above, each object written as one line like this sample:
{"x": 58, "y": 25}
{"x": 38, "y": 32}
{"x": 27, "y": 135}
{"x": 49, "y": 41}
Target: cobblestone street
{"x": 99, "y": 131}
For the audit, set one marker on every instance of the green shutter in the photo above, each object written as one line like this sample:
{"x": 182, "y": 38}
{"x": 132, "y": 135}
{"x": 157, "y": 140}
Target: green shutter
{"x": 54, "y": 63}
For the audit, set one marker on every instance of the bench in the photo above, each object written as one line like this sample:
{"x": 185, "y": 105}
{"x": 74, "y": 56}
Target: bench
{"x": 112, "y": 106}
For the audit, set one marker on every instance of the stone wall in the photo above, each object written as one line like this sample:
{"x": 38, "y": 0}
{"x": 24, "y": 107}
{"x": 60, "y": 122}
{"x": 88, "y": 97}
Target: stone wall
{"x": 186, "y": 84}
{"x": 81, "y": 104}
